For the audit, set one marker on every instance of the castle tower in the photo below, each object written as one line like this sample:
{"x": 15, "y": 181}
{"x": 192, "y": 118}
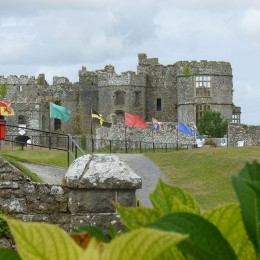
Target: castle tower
{"x": 202, "y": 86}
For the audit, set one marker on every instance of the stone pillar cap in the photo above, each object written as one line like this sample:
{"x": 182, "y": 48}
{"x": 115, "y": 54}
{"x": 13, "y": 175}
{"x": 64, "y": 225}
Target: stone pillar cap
{"x": 102, "y": 171}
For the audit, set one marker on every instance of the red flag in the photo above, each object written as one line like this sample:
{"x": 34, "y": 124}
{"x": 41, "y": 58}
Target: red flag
{"x": 134, "y": 121}
{"x": 5, "y": 104}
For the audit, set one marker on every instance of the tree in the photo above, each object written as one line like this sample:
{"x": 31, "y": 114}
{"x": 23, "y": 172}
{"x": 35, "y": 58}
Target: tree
{"x": 212, "y": 124}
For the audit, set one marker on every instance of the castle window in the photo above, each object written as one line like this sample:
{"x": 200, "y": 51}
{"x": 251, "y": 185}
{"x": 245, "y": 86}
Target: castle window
{"x": 199, "y": 110}
{"x": 20, "y": 88}
{"x": 236, "y": 118}
{"x": 120, "y": 98}
{"x": 137, "y": 98}
{"x": 21, "y": 120}
{"x": 57, "y": 123}
{"x": 158, "y": 104}
{"x": 203, "y": 86}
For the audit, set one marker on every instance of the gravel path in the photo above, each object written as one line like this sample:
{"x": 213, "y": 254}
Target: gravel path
{"x": 145, "y": 168}
{"x": 49, "y": 174}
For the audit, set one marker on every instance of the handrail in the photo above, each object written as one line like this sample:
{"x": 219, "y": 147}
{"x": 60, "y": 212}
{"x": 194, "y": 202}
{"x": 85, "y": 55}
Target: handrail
{"x": 48, "y": 134}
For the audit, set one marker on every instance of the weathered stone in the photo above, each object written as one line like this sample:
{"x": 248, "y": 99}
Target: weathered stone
{"x": 249, "y": 134}
{"x": 101, "y": 171}
{"x": 91, "y": 201}
{"x": 97, "y": 220}
{"x": 14, "y": 205}
{"x": 70, "y": 207}
{"x": 126, "y": 198}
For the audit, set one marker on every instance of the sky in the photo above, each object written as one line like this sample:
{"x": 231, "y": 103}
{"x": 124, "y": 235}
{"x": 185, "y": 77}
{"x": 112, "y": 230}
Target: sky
{"x": 58, "y": 37}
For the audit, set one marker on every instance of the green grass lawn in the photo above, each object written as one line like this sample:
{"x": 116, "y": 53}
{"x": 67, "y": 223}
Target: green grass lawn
{"x": 206, "y": 173}
{"x": 39, "y": 156}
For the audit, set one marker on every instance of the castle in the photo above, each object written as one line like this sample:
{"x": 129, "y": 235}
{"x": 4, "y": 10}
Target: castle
{"x": 169, "y": 93}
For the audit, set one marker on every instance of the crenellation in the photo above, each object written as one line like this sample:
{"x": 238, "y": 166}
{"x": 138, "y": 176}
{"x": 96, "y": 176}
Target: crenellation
{"x": 168, "y": 93}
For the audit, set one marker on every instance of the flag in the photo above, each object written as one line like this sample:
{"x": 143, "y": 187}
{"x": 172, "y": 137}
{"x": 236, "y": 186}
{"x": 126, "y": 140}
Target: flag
{"x": 134, "y": 121}
{"x": 196, "y": 132}
{"x": 59, "y": 112}
{"x": 156, "y": 124}
{"x": 184, "y": 129}
{"x": 97, "y": 118}
{"x": 5, "y": 104}
{"x": 6, "y": 111}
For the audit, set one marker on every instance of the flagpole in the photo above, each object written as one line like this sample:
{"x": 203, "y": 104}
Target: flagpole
{"x": 152, "y": 137}
{"x": 125, "y": 136}
{"x": 177, "y": 136}
{"x": 49, "y": 117}
{"x": 91, "y": 132}
{"x": 125, "y": 140}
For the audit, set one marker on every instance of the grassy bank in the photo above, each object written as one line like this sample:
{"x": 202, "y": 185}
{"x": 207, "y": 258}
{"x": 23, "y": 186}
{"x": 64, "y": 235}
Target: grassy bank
{"x": 205, "y": 173}
{"x": 39, "y": 156}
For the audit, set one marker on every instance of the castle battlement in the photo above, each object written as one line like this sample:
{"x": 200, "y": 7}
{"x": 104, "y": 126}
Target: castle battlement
{"x": 166, "y": 92}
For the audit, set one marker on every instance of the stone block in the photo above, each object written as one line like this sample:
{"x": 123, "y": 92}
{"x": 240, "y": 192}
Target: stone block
{"x": 91, "y": 201}
{"x": 98, "y": 220}
{"x": 126, "y": 198}
{"x": 101, "y": 171}
{"x": 13, "y": 205}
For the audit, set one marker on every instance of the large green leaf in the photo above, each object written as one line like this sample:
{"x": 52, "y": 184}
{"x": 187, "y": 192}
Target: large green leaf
{"x": 42, "y": 241}
{"x": 246, "y": 185}
{"x": 229, "y": 221}
{"x": 205, "y": 240}
{"x": 8, "y": 254}
{"x": 133, "y": 218}
{"x": 140, "y": 244}
{"x": 167, "y": 199}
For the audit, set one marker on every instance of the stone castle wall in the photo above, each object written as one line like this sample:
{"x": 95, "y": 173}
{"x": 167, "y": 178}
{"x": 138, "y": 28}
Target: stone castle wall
{"x": 86, "y": 198}
{"x": 164, "y": 92}
{"x": 249, "y": 134}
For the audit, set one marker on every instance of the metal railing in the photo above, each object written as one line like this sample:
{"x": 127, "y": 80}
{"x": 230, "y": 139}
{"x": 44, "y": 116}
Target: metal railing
{"x": 40, "y": 138}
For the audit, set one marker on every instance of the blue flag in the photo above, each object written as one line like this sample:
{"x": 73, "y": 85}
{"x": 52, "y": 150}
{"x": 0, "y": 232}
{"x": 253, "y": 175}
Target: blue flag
{"x": 184, "y": 129}
{"x": 59, "y": 112}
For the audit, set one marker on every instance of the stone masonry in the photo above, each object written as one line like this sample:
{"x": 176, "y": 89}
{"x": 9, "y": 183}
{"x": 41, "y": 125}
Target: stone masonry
{"x": 248, "y": 134}
{"x": 94, "y": 182}
{"x": 169, "y": 93}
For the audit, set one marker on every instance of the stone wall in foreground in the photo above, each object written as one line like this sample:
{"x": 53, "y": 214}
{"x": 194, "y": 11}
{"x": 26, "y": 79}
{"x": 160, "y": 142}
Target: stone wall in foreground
{"x": 94, "y": 182}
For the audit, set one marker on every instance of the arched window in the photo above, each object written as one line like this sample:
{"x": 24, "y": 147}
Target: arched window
{"x": 119, "y": 97}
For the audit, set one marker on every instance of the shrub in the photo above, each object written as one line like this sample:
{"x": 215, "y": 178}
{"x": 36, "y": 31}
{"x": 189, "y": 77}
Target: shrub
{"x": 175, "y": 228}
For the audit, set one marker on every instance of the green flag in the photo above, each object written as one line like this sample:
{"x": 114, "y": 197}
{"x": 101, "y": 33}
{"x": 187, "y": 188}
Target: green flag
{"x": 59, "y": 112}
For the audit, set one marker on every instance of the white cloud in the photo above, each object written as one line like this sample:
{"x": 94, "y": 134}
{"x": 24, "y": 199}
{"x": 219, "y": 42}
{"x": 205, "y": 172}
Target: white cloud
{"x": 247, "y": 96}
{"x": 57, "y": 37}
{"x": 250, "y": 25}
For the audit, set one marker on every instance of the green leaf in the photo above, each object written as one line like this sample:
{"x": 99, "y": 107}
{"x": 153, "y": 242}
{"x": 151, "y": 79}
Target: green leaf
{"x": 205, "y": 240}
{"x": 42, "y": 241}
{"x": 113, "y": 232}
{"x": 133, "y": 218}
{"x": 167, "y": 199}
{"x": 245, "y": 185}
{"x": 142, "y": 243}
{"x": 229, "y": 221}
{"x": 94, "y": 232}
{"x": 8, "y": 254}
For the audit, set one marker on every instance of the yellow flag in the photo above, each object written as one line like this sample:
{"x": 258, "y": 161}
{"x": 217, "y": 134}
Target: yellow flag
{"x": 6, "y": 111}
